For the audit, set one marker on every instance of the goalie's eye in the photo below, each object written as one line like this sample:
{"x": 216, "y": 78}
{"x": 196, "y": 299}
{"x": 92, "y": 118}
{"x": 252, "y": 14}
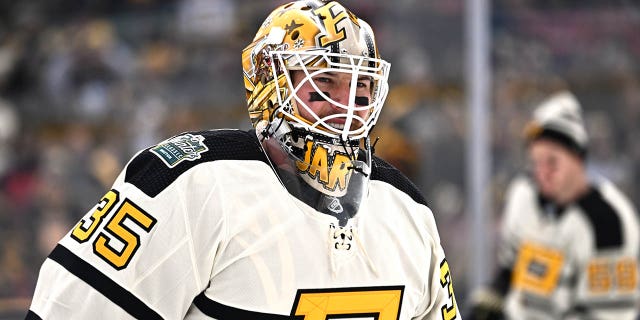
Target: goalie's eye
{"x": 365, "y": 82}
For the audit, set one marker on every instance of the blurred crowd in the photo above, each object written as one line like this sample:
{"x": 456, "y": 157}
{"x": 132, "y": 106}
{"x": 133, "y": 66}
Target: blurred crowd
{"x": 86, "y": 84}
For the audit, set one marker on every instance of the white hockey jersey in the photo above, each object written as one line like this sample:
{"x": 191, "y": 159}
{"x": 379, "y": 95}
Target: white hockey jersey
{"x": 577, "y": 262}
{"x": 199, "y": 227}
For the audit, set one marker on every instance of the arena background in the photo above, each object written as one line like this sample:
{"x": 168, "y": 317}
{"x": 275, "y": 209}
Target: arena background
{"x": 85, "y": 84}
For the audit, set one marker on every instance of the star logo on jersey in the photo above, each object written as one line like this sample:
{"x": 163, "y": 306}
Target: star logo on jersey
{"x": 187, "y": 147}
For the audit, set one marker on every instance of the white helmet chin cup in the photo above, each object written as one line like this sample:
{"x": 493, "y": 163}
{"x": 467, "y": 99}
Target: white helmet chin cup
{"x": 331, "y": 178}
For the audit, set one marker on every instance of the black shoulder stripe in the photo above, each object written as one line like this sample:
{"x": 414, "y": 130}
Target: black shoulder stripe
{"x": 502, "y": 280}
{"x": 151, "y": 175}
{"x": 219, "y": 311}
{"x": 606, "y": 223}
{"x": 383, "y": 171}
{"x": 107, "y": 287}
{"x": 616, "y": 305}
{"x": 32, "y": 316}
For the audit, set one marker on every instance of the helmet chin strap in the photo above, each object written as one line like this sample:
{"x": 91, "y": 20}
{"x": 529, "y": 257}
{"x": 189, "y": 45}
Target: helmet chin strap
{"x": 358, "y": 166}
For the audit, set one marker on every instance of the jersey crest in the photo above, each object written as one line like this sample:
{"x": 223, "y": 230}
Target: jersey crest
{"x": 180, "y": 148}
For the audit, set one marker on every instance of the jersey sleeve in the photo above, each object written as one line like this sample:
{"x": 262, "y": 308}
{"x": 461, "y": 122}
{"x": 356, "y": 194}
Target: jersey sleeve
{"x": 136, "y": 254}
{"x": 520, "y": 197}
{"x": 607, "y": 261}
{"x": 441, "y": 299}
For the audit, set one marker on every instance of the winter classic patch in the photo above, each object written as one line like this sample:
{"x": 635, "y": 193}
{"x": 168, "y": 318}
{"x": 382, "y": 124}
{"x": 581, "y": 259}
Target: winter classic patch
{"x": 177, "y": 149}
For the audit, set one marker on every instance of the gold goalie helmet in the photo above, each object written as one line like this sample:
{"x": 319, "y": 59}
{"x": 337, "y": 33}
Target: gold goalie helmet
{"x": 316, "y": 40}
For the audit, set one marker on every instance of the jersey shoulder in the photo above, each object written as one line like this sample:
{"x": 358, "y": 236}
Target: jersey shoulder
{"x": 603, "y": 216}
{"x": 521, "y": 204}
{"x": 155, "y": 168}
{"x": 520, "y": 187}
{"x": 385, "y": 172}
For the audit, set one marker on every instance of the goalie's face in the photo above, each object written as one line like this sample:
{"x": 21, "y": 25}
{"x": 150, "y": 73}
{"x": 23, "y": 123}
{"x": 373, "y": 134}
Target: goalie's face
{"x": 325, "y": 98}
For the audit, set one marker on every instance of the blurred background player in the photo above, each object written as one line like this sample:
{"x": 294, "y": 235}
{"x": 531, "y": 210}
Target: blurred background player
{"x": 569, "y": 240}
{"x": 295, "y": 218}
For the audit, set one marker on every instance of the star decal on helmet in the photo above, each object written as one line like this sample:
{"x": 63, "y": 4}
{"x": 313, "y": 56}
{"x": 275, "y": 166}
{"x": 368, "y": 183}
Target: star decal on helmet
{"x": 292, "y": 26}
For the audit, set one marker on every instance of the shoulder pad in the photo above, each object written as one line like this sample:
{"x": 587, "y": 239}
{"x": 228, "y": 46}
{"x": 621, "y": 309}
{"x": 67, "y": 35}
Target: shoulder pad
{"x": 155, "y": 168}
{"x": 383, "y": 171}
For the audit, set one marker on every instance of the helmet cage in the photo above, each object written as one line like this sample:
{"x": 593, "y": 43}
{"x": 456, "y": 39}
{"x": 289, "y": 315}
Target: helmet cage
{"x": 314, "y": 63}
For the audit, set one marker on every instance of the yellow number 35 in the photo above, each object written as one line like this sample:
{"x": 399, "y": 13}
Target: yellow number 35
{"x": 119, "y": 255}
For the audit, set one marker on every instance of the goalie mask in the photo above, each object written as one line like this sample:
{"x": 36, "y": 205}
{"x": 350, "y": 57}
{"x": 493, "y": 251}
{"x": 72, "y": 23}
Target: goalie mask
{"x": 315, "y": 86}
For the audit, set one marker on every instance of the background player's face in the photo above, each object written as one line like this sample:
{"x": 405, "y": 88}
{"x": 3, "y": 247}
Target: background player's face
{"x": 557, "y": 171}
{"x": 336, "y": 85}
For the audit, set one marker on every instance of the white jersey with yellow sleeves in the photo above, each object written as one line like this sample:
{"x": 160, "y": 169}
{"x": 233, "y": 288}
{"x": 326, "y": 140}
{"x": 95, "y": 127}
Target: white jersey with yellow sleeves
{"x": 199, "y": 227}
{"x": 574, "y": 262}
